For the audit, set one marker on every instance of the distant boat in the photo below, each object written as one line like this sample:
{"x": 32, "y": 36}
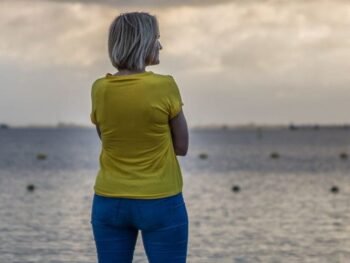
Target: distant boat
{"x": 4, "y": 126}
{"x": 67, "y": 125}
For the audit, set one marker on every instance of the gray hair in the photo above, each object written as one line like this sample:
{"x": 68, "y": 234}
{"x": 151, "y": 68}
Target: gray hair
{"x": 131, "y": 41}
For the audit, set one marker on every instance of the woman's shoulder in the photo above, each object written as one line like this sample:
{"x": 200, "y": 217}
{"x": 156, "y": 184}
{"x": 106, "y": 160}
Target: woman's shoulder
{"x": 146, "y": 76}
{"x": 97, "y": 83}
{"x": 98, "y": 80}
{"x": 169, "y": 79}
{"x": 161, "y": 75}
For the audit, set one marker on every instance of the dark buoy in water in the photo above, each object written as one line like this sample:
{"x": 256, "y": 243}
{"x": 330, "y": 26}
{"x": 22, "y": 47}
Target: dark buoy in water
{"x": 203, "y": 156}
{"x": 274, "y": 155}
{"x": 41, "y": 156}
{"x": 236, "y": 188}
{"x": 30, "y": 187}
{"x": 292, "y": 127}
{"x": 334, "y": 189}
{"x": 343, "y": 155}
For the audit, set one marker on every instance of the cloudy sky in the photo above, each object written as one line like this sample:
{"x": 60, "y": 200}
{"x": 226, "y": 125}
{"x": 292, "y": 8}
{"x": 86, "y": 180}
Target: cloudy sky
{"x": 235, "y": 62}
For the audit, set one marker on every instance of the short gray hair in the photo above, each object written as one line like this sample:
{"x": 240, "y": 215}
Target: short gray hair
{"x": 131, "y": 41}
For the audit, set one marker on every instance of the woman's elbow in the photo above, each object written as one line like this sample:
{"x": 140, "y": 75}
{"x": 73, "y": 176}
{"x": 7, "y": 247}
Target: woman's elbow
{"x": 181, "y": 151}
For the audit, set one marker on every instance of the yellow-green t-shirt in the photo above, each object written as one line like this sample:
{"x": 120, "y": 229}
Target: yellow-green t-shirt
{"x": 137, "y": 158}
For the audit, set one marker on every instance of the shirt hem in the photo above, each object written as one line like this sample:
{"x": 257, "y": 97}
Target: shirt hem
{"x": 138, "y": 196}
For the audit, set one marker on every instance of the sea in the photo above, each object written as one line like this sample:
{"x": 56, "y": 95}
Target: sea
{"x": 274, "y": 194}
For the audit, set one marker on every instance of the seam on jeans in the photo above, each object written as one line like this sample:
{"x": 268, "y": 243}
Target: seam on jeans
{"x": 170, "y": 227}
{"x": 99, "y": 223}
{"x": 116, "y": 211}
{"x": 178, "y": 205}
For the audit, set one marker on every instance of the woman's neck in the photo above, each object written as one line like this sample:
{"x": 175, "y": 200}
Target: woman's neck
{"x": 128, "y": 72}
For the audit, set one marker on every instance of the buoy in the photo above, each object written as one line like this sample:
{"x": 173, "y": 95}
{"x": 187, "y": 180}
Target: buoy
{"x": 334, "y": 189}
{"x": 203, "y": 156}
{"x": 343, "y": 155}
{"x": 30, "y": 187}
{"x": 274, "y": 155}
{"x": 41, "y": 156}
{"x": 292, "y": 127}
{"x": 236, "y": 188}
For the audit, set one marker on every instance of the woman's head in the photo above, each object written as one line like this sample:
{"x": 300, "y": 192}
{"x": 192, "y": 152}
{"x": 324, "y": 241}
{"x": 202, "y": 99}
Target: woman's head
{"x": 133, "y": 41}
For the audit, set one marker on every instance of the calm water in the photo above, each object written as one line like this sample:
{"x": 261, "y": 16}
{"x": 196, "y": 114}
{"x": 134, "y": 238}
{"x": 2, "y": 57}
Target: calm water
{"x": 284, "y": 211}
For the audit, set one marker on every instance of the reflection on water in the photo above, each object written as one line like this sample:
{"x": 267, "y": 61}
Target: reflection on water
{"x": 284, "y": 211}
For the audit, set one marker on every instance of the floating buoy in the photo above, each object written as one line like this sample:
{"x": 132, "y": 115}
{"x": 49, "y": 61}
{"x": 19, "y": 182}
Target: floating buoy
{"x": 41, "y": 156}
{"x": 274, "y": 155}
{"x": 203, "y": 156}
{"x": 30, "y": 187}
{"x": 343, "y": 155}
{"x": 236, "y": 188}
{"x": 334, "y": 189}
{"x": 292, "y": 127}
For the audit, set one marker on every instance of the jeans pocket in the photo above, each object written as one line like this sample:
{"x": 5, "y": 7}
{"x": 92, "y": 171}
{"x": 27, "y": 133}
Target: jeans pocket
{"x": 104, "y": 210}
{"x": 158, "y": 213}
{"x": 178, "y": 211}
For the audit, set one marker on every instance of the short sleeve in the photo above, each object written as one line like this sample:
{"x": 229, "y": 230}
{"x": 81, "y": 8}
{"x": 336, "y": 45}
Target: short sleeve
{"x": 93, "y": 104}
{"x": 175, "y": 100}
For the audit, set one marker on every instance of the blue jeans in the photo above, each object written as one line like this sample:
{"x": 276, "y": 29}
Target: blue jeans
{"x": 163, "y": 223}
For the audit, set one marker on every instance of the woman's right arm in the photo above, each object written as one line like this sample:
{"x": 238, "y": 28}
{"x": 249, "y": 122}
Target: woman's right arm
{"x": 179, "y": 133}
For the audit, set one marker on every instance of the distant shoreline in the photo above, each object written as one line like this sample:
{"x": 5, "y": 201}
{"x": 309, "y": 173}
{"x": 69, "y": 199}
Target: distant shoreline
{"x": 258, "y": 127}
{"x": 199, "y": 127}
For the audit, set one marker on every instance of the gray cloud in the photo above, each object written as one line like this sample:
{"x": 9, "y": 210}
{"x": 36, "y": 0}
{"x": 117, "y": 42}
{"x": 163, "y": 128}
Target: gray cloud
{"x": 71, "y": 38}
{"x": 194, "y": 3}
{"x": 238, "y": 61}
{"x": 148, "y": 3}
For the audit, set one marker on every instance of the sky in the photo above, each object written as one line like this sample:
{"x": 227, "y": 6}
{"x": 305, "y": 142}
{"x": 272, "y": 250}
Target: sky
{"x": 236, "y": 62}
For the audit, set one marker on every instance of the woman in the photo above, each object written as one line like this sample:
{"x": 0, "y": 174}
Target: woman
{"x": 139, "y": 119}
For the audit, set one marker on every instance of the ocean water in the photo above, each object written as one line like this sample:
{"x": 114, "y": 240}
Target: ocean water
{"x": 284, "y": 211}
